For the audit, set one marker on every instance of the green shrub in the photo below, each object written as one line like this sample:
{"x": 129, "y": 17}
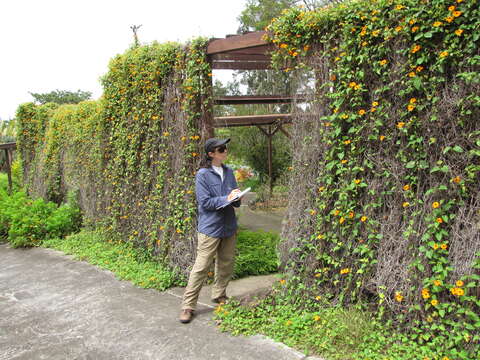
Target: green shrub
{"x": 257, "y": 253}
{"x": 25, "y": 222}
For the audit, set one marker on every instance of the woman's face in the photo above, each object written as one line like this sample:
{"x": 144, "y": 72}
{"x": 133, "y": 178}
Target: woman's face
{"x": 220, "y": 154}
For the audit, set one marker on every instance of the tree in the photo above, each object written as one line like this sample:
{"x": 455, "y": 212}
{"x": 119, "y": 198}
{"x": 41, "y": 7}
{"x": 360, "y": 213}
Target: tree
{"x": 61, "y": 97}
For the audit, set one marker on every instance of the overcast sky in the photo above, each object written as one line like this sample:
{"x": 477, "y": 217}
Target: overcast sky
{"x": 66, "y": 45}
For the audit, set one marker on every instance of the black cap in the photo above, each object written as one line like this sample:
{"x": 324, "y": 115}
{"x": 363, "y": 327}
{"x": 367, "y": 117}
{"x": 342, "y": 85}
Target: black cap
{"x": 213, "y": 143}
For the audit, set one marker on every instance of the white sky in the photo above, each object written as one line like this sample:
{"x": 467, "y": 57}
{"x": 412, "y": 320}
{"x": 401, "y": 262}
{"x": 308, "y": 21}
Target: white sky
{"x": 66, "y": 45}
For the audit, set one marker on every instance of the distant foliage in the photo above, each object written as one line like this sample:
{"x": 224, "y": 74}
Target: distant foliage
{"x": 61, "y": 97}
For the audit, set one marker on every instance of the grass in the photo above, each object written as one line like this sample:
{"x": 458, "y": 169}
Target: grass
{"x": 124, "y": 260}
{"x": 332, "y": 332}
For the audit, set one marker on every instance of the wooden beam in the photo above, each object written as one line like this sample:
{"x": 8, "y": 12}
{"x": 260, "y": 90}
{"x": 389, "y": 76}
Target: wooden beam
{"x": 251, "y": 120}
{"x": 11, "y": 145}
{"x": 257, "y": 99}
{"x": 241, "y": 65}
{"x": 241, "y": 56}
{"x": 285, "y": 132}
{"x": 236, "y": 42}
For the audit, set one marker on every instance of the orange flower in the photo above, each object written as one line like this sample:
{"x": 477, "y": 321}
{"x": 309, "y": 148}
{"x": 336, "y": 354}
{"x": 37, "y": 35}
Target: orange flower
{"x": 412, "y": 100}
{"x": 346, "y": 142}
{"x": 444, "y": 246}
{"x": 342, "y": 220}
{"x": 283, "y": 46}
{"x": 415, "y": 29}
{"x": 316, "y": 317}
{"x": 456, "y": 179}
{"x": 375, "y": 103}
{"x": 437, "y": 282}
{"x": 459, "y": 283}
{"x": 383, "y": 62}
{"x": 382, "y": 137}
{"x": 439, "y": 220}
{"x": 457, "y": 291}
{"x": 352, "y": 84}
{"x": 398, "y": 296}
{"x": 344, "y": 161}
{"x": 410, "y": 107}
{"x": 399, "y": 7}
{"x": 435, "y": 246}
{"x": 336, "y": 212}
{"x": 361, "y": 112}
{"x": 449, "y": 19}
{"x": 363, "y": 219}
{"x": 333, "y": 77}
{"x": 357, "y": 181}
{"x": 415, "y": 49}
{"x": 419, "y": 68}
{"x": 398, "y": 28}
{"x": 406, "y": 204}
{"x": 434, "y": 302}
{"x": 306, "y": 47}
{"x": 321, "y": 188}
{"x": 283, "y": 281}
{"x": 406, "y": 187}
{"x": 435, "y": 205}
{"x": 437, "y": 23}
{"x": 351, "y": 214}
{"x": 400, "y": 125}
{"x": 451, "y": 8}
{"x": 313, "y": 212}
{"x": 458, "y": 32}
{"x": 457, "y": 13}
{"x": 411, "y": 74}
{"x": 345, "y": 271}
{"x": 425, "y": 293}
{"x": 443, "y": 54}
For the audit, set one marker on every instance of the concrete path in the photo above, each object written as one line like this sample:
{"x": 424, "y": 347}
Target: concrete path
{"x": 258, "y": 219}
{"x": 54, "y": 307}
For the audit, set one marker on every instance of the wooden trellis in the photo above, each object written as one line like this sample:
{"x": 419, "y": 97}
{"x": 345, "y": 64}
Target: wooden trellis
{"x": 9, "y": 148}
{"x": 248, "y": 52}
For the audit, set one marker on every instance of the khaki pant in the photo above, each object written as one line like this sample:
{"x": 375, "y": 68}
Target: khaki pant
{"x": 208, "y": 247}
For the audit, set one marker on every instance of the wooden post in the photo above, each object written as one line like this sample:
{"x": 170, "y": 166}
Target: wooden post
{"x": 270, "y": 135}
{"x": 9, "y": 171}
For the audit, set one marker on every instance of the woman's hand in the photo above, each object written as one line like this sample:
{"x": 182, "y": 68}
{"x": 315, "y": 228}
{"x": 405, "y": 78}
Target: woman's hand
{"x": 233, "y": 194}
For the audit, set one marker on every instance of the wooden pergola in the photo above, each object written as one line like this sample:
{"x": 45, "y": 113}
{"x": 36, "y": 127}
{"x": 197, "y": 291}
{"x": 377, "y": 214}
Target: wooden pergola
{"x": 247, "y": 52}
{"x": 9, "y": 148}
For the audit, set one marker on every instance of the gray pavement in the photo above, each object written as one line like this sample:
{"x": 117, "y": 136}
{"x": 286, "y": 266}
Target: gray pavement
{"x": 257, "y": 219}
{"x": 55, "y": 307}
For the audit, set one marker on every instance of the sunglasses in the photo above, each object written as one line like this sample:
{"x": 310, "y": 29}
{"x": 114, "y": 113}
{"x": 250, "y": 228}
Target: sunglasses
{"x": 221, "y": 149}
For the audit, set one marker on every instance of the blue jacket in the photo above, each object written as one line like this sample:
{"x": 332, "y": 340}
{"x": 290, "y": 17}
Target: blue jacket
{"x": 211, "y": 193}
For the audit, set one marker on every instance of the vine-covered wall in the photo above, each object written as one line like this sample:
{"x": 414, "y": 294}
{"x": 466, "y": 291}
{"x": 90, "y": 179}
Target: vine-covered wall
{"x": 132, "y": 155}
{"x": 385, "y": 183}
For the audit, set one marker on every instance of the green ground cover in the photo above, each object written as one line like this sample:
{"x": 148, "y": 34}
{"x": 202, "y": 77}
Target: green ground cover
{"x": 335, "y": 332}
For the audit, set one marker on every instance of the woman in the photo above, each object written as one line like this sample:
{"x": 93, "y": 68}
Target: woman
{"x": 215, "y": 188}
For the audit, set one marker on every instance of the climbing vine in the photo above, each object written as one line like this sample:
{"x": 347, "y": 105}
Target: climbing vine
{"x": 387, "y": 170}
{"x": 132, "y": 155}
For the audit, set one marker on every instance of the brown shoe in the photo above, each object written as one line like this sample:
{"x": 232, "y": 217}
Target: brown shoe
{"x": 220, "y": 300}
{"x": 186, "y": 316}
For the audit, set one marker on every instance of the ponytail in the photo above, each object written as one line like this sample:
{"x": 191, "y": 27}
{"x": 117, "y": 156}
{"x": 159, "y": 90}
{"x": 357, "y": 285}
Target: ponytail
{"x": 206, "y": 162}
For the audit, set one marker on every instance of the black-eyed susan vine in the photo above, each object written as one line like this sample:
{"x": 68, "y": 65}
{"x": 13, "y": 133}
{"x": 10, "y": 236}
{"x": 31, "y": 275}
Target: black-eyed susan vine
{"x": 132, "y": 155}
{"x": 392, "y": 214}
